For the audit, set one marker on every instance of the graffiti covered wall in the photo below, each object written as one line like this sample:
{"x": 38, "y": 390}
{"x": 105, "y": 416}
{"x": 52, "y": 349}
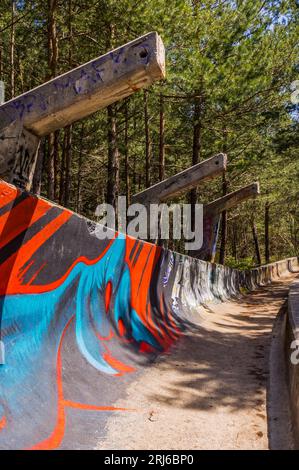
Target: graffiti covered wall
{"x": 80, "y": 316}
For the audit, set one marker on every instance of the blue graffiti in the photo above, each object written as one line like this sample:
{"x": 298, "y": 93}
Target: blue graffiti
{"x": 29, "y": 321}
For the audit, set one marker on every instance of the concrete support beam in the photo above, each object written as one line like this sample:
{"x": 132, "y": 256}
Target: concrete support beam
{"x": 73, "y": 96}
{"x": 182, "y": 182}
{"x": 233, "y": 199}
{"x": 211, "y": 218}
{"x": 84, "y": 90}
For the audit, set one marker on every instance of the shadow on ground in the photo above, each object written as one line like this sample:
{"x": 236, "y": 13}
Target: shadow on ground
{"x": 225, "y": 361}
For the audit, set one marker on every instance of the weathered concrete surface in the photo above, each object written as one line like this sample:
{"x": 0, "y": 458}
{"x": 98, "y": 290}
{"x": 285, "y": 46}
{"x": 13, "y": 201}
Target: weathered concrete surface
{"x": 70, "y": 97}
{"x": 82, "y": 317}
{"x": 280, "y": 427}
{"x": 211, "y": 391}
{"x": 18, "y": 151}
{"x": 86, "y": 89}
{"x": 230, "y": 200}
{"x": 291, "y": 352}
{"x": 183, "y": 181}
{"x": 212, "y": 213}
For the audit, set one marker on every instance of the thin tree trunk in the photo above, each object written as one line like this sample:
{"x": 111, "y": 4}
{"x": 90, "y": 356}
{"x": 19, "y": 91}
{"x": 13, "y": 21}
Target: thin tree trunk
{"x": 68, "y": 129}
{"x": 113, "y": 158}
{"x": 223, "y": 242}
{"x": 56, "y": 162}
{"x": 196, "y": 149}
{"x": 12, "y": 49}
{"x": 134, "y": 179}
{"x": 37, "y": 178}
{"x": 127, "y": 168}
{"x": 244, "y": 251}
{"x": 62, "y": 170}
{"x": 70, "y": 28}
{"x": 267, "y": 239}
{"x": 79, "y": 173}
{"x": 256, "y": 243}
{"x": 222, "y": 252}
{"x": 52, "y": 39}
{"x": 234, "y": 241}
{"x": 68, "y": 160}
{"x": 50, "y": 167}
{"x": 147, "y": 141}
{"x": 162, "y": 140}
{"x": 1, "y": 59}
{"x": 52, "y": 71}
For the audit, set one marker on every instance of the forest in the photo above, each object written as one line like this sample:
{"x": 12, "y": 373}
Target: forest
{"x": 231, "y": 86}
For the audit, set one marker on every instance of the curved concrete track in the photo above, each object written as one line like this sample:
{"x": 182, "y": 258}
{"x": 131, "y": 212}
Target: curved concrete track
{"x": 211, "y": 392}
{"x": 83, "y": 319}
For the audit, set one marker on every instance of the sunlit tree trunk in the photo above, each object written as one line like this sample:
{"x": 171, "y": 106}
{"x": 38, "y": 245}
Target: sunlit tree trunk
{"x": 162, "y": 140}
{"x": 12, "y": 49}
{"x": 52, "y": 71}
{"x": 148, "y": 149}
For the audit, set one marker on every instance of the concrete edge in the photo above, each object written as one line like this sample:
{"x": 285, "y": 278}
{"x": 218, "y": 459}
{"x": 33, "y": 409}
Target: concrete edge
{"x": 279, "y": 414}
{"x": 292, "y": 355}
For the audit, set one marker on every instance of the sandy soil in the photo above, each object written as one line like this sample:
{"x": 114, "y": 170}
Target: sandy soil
{"x": 209, "y": 391}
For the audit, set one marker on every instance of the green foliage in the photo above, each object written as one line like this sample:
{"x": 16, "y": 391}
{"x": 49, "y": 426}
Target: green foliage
{"x": 245, "y": 263}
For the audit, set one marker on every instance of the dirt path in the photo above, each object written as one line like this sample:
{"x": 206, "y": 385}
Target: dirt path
{"x": 209, "y": 392}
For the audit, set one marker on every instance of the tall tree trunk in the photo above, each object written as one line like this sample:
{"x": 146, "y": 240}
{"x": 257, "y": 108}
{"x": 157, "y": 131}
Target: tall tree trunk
{"x": 234, "y": 241}
{"x": 162, "y": 140}
{"x": 56, "y": 162}
{"x": 52, "y": 71}
{"x": 127, "y": 167}
{"x": 113, "y": 152}
{"x": 223, "y": 242}
{"x": 12, "y": 49}
{"x": 52, "y": 38}
{"x": 134, "y": 178}
{"x": 70, "y": 28}
{"x": 50, "y": 167}
{"x": 196, "y": 149}
{"x": 147, "y": 140}
{"x": 113, "y": 158}
{"x": 1, "y": 59}
{"x": 68, "y": 160}
{"x": 62, "y": 170}
{"x": 79, "y": 173}
{"x": 245, "y": 244}
{"x": 256, "y": 243}
{"x": 222, "y": 252}
{"x": 267, "y": 239}
{"x": 37, "y": 178}
{"x": 68, "y": 129}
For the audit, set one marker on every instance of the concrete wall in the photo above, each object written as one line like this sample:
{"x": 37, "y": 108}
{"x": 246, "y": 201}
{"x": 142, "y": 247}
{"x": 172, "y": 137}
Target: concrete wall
{"x": 79, "y": 316}
{"x": 291, "y": 348}
{"x": 211, "y": 282}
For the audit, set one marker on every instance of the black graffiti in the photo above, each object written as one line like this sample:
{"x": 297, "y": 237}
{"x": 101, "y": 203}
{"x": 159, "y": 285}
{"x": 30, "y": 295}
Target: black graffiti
{"x": 24, "y": 162}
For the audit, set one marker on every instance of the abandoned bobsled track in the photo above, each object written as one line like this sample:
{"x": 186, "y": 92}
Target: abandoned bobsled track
{"x": 120, "y": 343}
{"x": 83, "y": 320}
